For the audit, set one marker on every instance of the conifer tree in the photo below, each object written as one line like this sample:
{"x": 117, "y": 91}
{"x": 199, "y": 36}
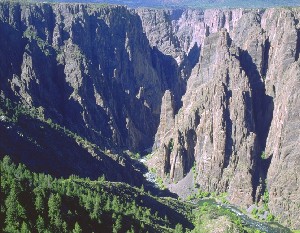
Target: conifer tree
{"x": 39, "y": 205}
{"x": 77, "y": 228}
{"x": 117, "y": 225}
{"x": 24, "y": 228}
{"x": 178, "y": 228}
{"x": 15, "y": 212}
{"x": 115, "y": 204}
{"x": 54, "y": 213}
{"x": 40, "y": 224}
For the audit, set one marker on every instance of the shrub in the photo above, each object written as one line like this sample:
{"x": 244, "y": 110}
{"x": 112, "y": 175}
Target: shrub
{"x": 270, "y": 217}
{"x": 263, "y": 155}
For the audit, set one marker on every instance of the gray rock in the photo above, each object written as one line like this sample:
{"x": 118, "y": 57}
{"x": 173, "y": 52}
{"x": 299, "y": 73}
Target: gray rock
{"x": 210, "y": 90}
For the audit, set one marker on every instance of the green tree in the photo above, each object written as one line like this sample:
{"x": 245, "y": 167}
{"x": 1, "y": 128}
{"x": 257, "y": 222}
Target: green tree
{"x": 142, "y": 189}
{"x": 15, "y": 213}
{"x": 115, "y": 205}
{"x": 270, "y": 217}
{"x": 101, "y": 178}
{"x": 88, "y": 201}
{"x": 178, "y": 228}
{"x": 107, "y": 205}
{"x": 131, "y": 230}
{"x": 54, "y": 205}
{"x": 69, "y": 191}
{"x": 40, "y": 224}
{"x": 97, "y": 210}
{"x": 39, "y": 204}
{"x": 24, "y": 228}
{"x": 118, "y": 224}
{"x": 77, "y": 228}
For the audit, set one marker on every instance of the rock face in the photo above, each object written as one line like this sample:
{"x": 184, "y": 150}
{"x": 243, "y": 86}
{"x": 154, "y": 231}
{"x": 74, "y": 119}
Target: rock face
{"x": 92, "y": 70}
{"x": 282, "y": 83}
{"x": 209, "y": 90}
{"x": 236, "y": 106}
{"x": 45, "y": 149}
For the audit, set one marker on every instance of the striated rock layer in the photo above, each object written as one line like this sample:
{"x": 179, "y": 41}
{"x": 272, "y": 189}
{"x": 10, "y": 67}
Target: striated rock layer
{"x": 211, "y": 90}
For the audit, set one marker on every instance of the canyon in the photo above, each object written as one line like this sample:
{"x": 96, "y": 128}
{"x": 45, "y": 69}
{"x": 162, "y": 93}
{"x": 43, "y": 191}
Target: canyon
{"x": 212, "y": 94}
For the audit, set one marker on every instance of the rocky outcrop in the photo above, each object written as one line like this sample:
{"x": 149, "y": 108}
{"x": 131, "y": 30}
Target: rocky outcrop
{"x": 211, "y": 90}
{"x": 210, "y": 129}
{"x": 232, "y": 111}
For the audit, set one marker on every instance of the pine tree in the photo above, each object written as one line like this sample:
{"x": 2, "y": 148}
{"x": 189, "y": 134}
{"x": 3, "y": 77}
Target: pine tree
{"x": 15, "y": 213}
{"x": 24, "y": 228}
{"x": 146, "y": 215}
{"x": 77, "y": 228}
{"x": 131, "y": 230}
{"x": 115, "y": 204}
{"x": 118, "y": 224}
{"x": 54, "y": 213}
{"x": 88, "y": 201}
{"x": 69, "y": 189}
{"x": 178, "y": 228}
{"x": 39, "y": 204}
{"x": 142, "y": 189}
{"x": 97, "y": 209}
{"x": 40, "y": 224}
{"x": 107, "y": 205}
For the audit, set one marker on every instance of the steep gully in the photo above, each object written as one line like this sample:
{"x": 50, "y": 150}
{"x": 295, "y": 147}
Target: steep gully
{"x": 202, "y": 87}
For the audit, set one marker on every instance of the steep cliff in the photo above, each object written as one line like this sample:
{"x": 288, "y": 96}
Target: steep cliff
{"x": 90, "y": 68}
{"x": 236, "y": 106}
{"x": 211, "y": 91}
{"x": 282, "y": 83}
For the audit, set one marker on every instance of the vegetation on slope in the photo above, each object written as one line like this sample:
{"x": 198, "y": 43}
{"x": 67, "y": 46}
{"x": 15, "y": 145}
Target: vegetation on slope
{"x": 32, "y": 202}
{"x": 35, "y": 202}
{"x": 37, "y": 141}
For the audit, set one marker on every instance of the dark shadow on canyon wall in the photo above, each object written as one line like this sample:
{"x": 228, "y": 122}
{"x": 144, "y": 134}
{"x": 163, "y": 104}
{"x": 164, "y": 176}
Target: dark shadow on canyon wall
{"x": 263, "y": 106}
{"x": 104, "y": 67}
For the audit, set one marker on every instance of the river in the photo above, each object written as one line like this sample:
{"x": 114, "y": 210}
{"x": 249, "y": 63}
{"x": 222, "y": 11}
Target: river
{"x": 268, "y": 227}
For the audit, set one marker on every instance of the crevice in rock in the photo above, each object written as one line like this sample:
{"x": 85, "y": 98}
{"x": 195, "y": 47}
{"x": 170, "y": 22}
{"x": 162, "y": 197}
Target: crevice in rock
{"x": 264, "y": 167}
{"x": 262, "y": 124}
{"x": 175, "y": 14}
{"x": 168, "y": 150}
{"x": 185, "y": 68}
{"x": 189, "y": 157}
{"x": 297, "y": 45}
{"x": 263, "y": 107}
{"x": 228, "y": 122}
{"x": 262, "y": 104}
{"x": 265, "y": 59}
{"x": 193, "y": 56}
{"x": 197, "y": 118}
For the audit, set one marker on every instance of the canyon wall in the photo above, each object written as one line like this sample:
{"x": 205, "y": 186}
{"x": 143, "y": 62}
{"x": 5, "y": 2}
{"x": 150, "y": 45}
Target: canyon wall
{"x": 210, "y": 91}
{"x": 91, "y": 69}
{"x": 237, "y": 127}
